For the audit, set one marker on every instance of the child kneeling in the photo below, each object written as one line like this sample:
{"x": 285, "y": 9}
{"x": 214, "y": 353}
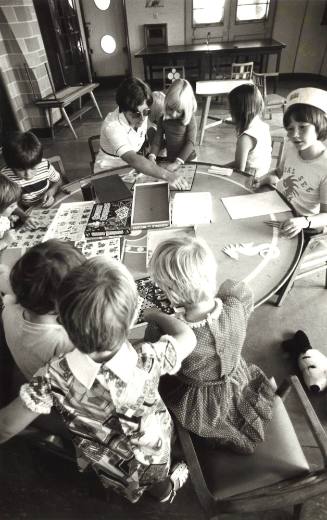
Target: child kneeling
{"x": 105, "y": 390}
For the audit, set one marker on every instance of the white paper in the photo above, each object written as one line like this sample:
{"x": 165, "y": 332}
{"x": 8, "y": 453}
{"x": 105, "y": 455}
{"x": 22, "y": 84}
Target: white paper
{"x": 254, "y": 205}
{"x": 193, "y": 208}
{"x": 217, "y": 170}
{"x": 70, "y": 221}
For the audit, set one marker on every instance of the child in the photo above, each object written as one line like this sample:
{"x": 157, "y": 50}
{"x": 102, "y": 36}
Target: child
{"x": 216, "y": 394}
{"x": 37, "y": 178}
{"x": 29, "y": 316}
{"x": 10, "y": 194}
{"x": 105, "y": 391}
{"x": 302, "y": 173}
{"x": 177, "y": 125}
{"x": 253, "y": 145}
{"x": 157, "y": 110}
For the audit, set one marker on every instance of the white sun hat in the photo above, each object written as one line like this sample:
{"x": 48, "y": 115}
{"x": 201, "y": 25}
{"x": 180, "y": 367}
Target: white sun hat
{"x": 316, "y": 97}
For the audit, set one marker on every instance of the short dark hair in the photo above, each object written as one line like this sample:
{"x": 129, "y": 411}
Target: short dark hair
{"x": 36, "y": 276}
{"x": 22, "y": 150}
{"x": 302, "y": 113}
{"x": 132, "y": 93}
{"x": 97, "y": 303}
{"x": 245, "y": 102}
{"x": 10, "y": 192}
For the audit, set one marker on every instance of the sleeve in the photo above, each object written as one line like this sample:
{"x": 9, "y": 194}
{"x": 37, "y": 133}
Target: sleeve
{"x": 323, "y": 191}
{"x": 231, "y": 290}
{"x": 158, "y": 138}
{"x": 36, "y": 394}
{"x": 189, "y": 140}
{"x": 116, "y": 138}
{"x": 54, "y": 175}
{"x": 167, "y": 353}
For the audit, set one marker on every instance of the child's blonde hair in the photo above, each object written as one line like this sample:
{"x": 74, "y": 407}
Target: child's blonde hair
{"x": 180, "y": 97}
{"x": 97, "y": 303}
{"x": 185, "y": 269}
{"x": 10, "y": 192}
{"x": 157, "y": 107}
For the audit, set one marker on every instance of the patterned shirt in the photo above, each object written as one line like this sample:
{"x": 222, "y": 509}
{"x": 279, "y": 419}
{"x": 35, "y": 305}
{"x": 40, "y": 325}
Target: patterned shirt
{"x": 120, "y": 424}
{"x": 304, "y": 182}
{"x": 34, "y": 189}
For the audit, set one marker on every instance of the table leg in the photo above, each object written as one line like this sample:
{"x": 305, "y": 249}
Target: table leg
{"x": 278, "y": 60}
{"x": 204, "y": 117}
{"x": 96, "y": 104}
{"x": 64, "y": 114}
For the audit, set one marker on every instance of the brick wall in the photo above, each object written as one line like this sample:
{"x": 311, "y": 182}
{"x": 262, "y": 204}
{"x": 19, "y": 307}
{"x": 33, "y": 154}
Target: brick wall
{"x": 21, "y": 47}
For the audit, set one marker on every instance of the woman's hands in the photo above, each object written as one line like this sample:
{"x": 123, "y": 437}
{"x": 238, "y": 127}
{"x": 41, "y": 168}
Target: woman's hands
{"x": 176, "y": 181}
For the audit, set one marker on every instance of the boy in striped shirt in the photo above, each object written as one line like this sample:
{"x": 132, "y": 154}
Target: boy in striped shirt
{"x": 38, "y": 179}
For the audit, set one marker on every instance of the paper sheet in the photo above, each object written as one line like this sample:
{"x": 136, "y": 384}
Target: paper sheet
{"x": 192, "y": 208}
{"x": 220, "y": 170}
{"x": 254, "y": 205}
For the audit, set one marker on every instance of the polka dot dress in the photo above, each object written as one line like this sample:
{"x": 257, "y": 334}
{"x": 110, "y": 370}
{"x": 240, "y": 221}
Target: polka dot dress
{"x": 216, "y": 394}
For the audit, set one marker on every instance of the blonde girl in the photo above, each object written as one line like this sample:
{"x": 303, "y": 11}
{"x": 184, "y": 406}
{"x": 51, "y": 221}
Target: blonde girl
{"x": 216, "y": 394}
{"x": 253, "y": 145}
{"x": 177, "y": 125}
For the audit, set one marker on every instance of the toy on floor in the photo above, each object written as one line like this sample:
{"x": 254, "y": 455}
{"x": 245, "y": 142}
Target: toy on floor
{"x": 312, "y": 363}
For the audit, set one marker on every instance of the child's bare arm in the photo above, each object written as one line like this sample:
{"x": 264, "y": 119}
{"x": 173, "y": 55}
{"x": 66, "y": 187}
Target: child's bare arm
{"x": 14, "y": 418}
{"x": 271, "y": 178}
{"x": 181, "y": 332}
{"x": 48, "y": 197}
{"x": 27, "y": 220}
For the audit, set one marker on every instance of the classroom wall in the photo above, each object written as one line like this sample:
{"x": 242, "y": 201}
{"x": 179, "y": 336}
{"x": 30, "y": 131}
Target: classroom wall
{"x": 21, "y": 45}
{"x": 173, "y": 13}
{"x": 298, "y": 24}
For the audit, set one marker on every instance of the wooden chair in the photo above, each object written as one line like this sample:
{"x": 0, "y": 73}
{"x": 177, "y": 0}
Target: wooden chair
{"x": 276, "y": 476}
{"x": 242, "y": 70}
{"x": 313, "y": 260}
{"x": 170, "y": 74}
{"x": 57, "y": 163}
{"x": 94, "y": 146}
{"x": 272, "y": 100}
{"x": 277, "y": 148}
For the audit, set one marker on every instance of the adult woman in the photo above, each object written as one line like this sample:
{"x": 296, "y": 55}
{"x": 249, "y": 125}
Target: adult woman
{"x": 123, "y": 133}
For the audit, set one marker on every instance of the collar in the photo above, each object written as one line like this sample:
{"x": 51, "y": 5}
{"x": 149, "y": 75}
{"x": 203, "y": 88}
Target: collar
{"x": 85, "y": 369}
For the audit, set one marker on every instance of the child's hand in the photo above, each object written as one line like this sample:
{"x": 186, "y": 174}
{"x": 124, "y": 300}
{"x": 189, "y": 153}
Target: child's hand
{"x": 173, "y": 167}
{"x": 31, "y": 223}
{"x": 48, "y": 199}
{"x": 293, "y": 226}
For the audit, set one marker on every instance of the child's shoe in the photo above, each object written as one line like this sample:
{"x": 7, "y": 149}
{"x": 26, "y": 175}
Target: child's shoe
{"x": 178, "y": 477}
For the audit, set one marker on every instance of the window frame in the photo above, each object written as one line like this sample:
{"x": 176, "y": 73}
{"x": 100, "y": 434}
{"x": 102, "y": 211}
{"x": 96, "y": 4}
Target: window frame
{"x": 254, "y": 20}
{"x": 209, "y": 24}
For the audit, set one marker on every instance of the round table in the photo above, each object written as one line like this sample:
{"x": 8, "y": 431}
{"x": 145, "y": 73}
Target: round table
{"x": 264, "y": 274}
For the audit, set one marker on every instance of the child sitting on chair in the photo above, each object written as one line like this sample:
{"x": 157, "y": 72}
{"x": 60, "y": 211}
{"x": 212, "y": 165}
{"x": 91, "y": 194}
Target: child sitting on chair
{"x": 10, "y": 194}
{"x": 302, "y": 174}
{"x": 32, "y": 331}
{"x": 25, "y": 165}
{"x": 216, "y": 394}
{"x": 253, "y": 145}
{"x": 105, "y": 390}
{"x": 177, "y": 125}
{"x": 156, "y": 112}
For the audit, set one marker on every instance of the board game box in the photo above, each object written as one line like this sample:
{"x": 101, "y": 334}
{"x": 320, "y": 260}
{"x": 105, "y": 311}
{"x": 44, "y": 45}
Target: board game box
{"x": 109, "y": 219}
{"x": 151, "y": 205}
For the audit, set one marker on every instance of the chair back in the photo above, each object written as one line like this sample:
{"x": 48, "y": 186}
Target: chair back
{"x": 276, "y": 476}
{"x": 272, "y": 100}
{"x": 170, "y": 74}
{"x": 94, "y": 146}
{"x": 242, "y": 70}
{"x": 57, "y": 163}
{"x": 277, "y": 148}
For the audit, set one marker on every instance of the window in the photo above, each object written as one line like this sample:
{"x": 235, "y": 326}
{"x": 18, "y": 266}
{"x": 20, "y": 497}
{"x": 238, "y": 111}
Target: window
{"x": 249, "y": 10}
{"x": 207, "y": 12}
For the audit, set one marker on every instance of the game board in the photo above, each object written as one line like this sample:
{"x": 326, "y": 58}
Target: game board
{"x": 150, "y": 296}
{"x": 26, "y": 238}
{"x": 110, "y": 248}
{"x": 186, "y": 170}
{"x": 70, "y": 221}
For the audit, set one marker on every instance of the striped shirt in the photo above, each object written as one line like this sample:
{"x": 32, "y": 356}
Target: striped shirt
{"x": 34, "y": 189}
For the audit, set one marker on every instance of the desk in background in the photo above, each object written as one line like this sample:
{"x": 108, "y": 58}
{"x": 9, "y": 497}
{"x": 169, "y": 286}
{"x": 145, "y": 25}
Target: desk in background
{"x": 264, "y": 274}
{"x": 202, "y": 56}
